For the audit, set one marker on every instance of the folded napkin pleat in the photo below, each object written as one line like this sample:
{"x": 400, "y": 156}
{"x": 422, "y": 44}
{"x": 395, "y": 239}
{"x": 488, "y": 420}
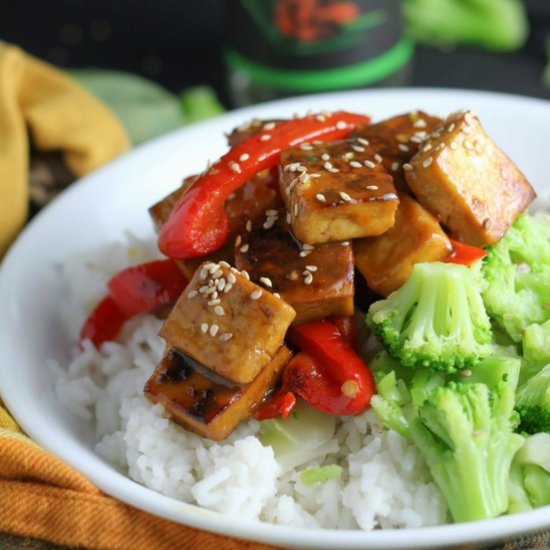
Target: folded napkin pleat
{"x": 41, "y": 102}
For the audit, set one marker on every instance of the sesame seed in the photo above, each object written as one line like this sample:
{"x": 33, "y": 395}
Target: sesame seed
{"x": 238, "y": 240}
{"x": 305, "y": 253}
{"x": 296, "y": 209}
{"x": 325, "y": 156}
{"x": 333, "y": 170}
{"x": 427, "y": 147}
{"x": 327, "y": 165}
{"x": 265, "y": 137}
{"x": 203, "y": 274}
{"x": 451, "y": 127}
{"x": 394, "y": 167}
{"x": 192, "y": 294}
{"x": 355, "y": 164}
{"x": 234, "y": 166}
{"x": 245, "y": 274}
{"x": 372, "y": 187}
{"x": 466, "y": 372}
{"x": 308, "y": 278}
{"x": 217, "y": 274}
{"x": 358, "y": 148}
{"x": 389, "y": 197}
{"x": 266, "y": 281}
{"x": 277, "y": 295}
{"x": 244, "y": 157}
{"x": 407, "y": 167}
{"x": 214, "y": 329}
{"x": 203, "y": 289}
{"x": 320, "y": 197}
{"x": 307, "y": 246}
{"x": 214, "y": 302}
{"x": 204, "y": 328}
{"x": 306, "y": 147}
{"x": 416, "y": 139}
{"x": 271, "y": 212}
{"x": 420, "y": 123}
{"x": 439, "y": 147}
{"x": 427, "y": 162}
{"x": 468, "y": 144}
{"x": 226, "y": 337}
{"x": 269, "y": 126}
{"x": 369, "y": 164}
{"x": 403, "y": 147}
{"x": 311, "y": 267}
{"x": 320, "y": 118}
{"x": 341, "y": 125}
{"x": 244, "y": 248}
{"x": 257, "y": 294}
{"x": 223, "y": 263}
{"x": 231, "y": 279}
{"x": 349, "y": 155}
{"x": 344, "y": 196}
{"x": 466, "y": 130}
{"x": 314, "y": 175}
{"x": 288, "y": 217}
{"x": 218, "y": 310}
{"x": 363, "y": 141}
{"x": 377, "y": 158}
{"x": 249, "y": 225}
{"x": 221, "y": 284}
{"x": 227, "y": 288}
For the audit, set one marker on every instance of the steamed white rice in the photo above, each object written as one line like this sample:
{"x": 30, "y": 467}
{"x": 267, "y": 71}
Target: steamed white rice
{"x": 384, "y": 483}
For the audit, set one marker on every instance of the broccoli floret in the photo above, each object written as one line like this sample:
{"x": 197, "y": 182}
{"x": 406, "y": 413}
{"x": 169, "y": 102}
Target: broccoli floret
{"x": 399, "y": 391}
{"x": 435, "y": 320}
{"x": 530, "y": 474}
{"x": 493, "y": 370}
{"x": 517, "y": 272}
{"x": 536, "y": 350}
{"x": 533, "y": 403}
{"x": 465, "y": 433}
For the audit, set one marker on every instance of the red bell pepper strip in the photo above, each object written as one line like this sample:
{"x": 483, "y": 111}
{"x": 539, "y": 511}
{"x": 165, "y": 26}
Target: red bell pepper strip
{"x": 103, "y": 323}
{"x": 347, "y": 327}
{"x": 132, "y": 291}
{"x": 340, "y": 381}
{"x": 281, "y": 402}
{"x": 146, "y": 286}
{"x": 197, "y": 224}
{"x": 465, "y": 254}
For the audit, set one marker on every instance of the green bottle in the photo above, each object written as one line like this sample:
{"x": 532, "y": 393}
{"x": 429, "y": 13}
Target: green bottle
{"x": 278, "y": 48}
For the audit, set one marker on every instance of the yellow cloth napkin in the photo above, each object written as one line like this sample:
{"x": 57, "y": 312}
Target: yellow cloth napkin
{"x": 40, "y": 496}
{"x": 59, "y": 115}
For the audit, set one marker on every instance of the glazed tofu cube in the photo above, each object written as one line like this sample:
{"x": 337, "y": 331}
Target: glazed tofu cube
{"x": 467, "y": 182}
{"x": 317, "y": 281}
{"x": 398, "y": 139}
{"x": 336, "y": 192}
{"x": 248, "y": 202}
{"x": 387, "y": 261}
{"x": 227, "y": 323}
{"x": 205, "y": 403}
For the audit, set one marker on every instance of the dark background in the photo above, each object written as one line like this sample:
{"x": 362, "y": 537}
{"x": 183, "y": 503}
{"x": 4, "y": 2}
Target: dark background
{"x": 178, "y": 43}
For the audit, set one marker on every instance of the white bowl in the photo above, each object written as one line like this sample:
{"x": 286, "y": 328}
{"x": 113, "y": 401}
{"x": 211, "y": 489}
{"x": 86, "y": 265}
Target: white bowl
{"x": 101, "y": 207}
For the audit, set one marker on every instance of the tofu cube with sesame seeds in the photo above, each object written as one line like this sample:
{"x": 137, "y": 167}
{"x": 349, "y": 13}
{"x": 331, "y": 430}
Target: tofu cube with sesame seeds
{"x": 386, "y": 262}
{"x": 397, "y": 140}
{"x": 467, "y": 182}
{"x": 205, "y": 403}
{"x": 317, "y": 281}
{"x": 336, "y": 192}
{"x": 248, "y": 202}
{"x": 227, "y": 323}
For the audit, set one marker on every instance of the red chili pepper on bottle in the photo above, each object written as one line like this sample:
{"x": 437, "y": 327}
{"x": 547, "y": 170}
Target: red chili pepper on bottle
{"x": 197, "y": 224}
{"x": 134, "y": 290}
{"x": 329, "y": 374}
{"x": 465, "y": 254}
